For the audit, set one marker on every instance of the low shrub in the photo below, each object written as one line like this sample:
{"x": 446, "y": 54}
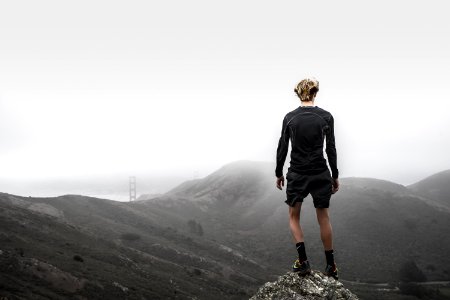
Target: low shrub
{"x": 76, "y": 257}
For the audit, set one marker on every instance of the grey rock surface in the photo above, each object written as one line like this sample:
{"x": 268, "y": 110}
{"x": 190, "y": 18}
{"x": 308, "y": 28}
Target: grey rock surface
{"x": 311, "y": 287}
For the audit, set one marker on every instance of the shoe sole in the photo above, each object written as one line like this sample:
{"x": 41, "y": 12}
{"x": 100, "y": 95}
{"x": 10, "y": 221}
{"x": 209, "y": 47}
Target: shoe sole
{"x": 334, "y": 276}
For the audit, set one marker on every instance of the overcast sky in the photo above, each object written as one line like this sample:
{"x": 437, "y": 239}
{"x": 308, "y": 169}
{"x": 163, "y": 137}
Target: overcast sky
{"x": 177, "y": 87}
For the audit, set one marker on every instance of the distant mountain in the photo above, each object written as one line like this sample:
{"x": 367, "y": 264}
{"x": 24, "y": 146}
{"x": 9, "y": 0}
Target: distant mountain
{"x": 375, "y": 184}
{"x": 435, "y": 187}
{"x": 236, "y": 194}
{"x": 148, "y": 196}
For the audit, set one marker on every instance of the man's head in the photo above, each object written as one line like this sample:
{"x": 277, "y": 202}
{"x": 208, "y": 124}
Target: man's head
{"x": 307, "y": 89}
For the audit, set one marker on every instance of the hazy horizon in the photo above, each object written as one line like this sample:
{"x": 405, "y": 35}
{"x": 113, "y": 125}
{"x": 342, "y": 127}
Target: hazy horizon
{"x": 115, "y": 187}
{"x": 107, "y": 89}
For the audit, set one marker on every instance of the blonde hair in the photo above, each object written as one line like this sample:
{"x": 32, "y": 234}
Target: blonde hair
{"x": 307, "y": 89}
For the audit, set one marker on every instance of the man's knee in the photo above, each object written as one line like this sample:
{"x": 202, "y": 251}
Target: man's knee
{"x": 294, "y": 216}
{"x": 322, "y": 216}
{"x": 294, "y": 211}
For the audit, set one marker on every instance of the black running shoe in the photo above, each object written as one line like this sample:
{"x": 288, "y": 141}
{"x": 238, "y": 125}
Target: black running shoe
{"x": 301, "y": 268}
{"x": 332, "y": 271}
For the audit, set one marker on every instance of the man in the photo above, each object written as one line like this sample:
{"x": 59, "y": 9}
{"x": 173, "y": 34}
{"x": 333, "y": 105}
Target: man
{"x": 307, "y": 127}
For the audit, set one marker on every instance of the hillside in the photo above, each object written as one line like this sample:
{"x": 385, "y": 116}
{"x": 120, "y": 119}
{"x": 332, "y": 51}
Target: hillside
{"x": 218, "y": 237}
{"x": 113, "y": 251}
{"x": 435, "y": 187}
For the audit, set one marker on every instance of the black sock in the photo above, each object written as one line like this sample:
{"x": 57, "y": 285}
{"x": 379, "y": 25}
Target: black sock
{"x": 301, "y": 251}
{"x": 330, "y": 257}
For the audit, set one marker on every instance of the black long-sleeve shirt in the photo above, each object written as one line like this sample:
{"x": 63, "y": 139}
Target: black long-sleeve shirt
{"x": 307, "y": 127}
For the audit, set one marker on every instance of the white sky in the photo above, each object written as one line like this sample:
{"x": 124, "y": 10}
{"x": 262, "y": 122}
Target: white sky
{"x": 175, "y": 87}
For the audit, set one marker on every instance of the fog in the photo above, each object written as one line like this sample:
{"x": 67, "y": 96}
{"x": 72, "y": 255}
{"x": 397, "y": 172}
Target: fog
{"x": 109, "y": 89}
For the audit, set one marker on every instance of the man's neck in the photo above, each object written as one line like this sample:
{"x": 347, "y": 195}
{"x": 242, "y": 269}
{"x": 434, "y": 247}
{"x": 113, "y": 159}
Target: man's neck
{"x": 307, "y": 103}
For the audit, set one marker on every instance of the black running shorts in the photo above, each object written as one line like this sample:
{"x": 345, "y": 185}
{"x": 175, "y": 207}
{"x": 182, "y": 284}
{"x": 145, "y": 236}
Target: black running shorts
{"x": 300, "y": 185}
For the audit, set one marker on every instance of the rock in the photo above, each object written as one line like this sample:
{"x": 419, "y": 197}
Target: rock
{"x": 123, "y": 288}
{"x": 311, "y": 287}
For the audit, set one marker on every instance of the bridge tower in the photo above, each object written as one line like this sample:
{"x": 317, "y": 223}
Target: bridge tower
{"x": 132, "y": 188}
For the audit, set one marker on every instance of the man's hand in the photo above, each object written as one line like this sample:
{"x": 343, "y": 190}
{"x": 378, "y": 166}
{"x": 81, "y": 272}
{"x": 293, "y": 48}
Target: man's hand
{"x": 335, "y": 187}
{"x": 280, "y": 182}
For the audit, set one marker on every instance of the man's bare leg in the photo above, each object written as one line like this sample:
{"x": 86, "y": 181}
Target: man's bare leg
{"x": 301, "y": 265}
{"x": 326, "y": 232}
{"x": 294, "y": 222}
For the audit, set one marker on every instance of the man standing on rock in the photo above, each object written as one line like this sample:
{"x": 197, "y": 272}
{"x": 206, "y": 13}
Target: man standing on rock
{"x": 307, "y": 127}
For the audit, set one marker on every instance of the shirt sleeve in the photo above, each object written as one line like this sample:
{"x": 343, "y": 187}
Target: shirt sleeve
{"x": 331, "y": 149}
{"x": 282, "y": 149}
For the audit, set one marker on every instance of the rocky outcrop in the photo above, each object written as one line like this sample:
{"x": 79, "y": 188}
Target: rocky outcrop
{"x": 311, "y": 287}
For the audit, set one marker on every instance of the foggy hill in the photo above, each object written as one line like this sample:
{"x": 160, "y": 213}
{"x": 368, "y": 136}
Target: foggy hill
{"x": 236, "y": 195}
{"x": 375, "y": 184}
{"x": 378, "y": 224}
{"x": 435, "y": 187}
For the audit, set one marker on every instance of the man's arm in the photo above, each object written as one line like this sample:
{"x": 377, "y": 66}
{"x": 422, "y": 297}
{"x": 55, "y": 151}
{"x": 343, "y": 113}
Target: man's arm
{"x": 282, "y": 149}
{"x": 331, "y": 149}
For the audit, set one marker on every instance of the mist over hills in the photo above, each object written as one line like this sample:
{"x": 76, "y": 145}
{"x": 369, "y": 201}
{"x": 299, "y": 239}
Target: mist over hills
{"x": 220, "y": 236}
{"x": 113, "y": 187}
